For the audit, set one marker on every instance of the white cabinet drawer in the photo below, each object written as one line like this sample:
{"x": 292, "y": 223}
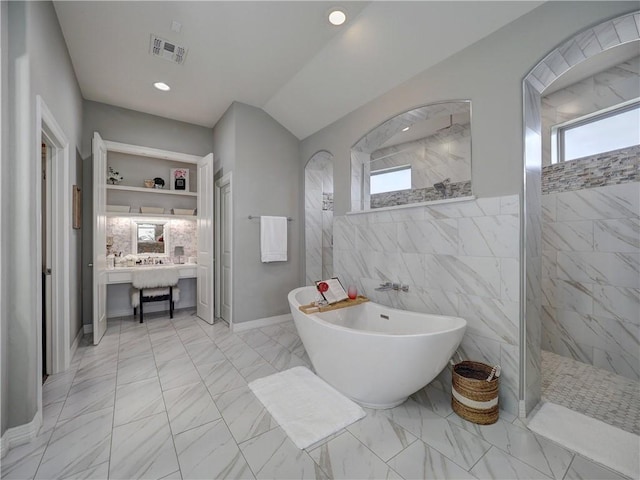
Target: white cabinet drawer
{"x": 118, "y": 277}
{"x": 189, "y": 272}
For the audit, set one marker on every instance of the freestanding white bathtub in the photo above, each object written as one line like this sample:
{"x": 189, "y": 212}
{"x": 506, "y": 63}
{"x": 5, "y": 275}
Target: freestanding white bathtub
{"x": 375, "y": 355}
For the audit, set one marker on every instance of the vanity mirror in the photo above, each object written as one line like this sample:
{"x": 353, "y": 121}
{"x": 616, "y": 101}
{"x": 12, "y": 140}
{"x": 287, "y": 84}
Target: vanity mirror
{"x": 150, "y": 237}
{"x": 417, "y": 156}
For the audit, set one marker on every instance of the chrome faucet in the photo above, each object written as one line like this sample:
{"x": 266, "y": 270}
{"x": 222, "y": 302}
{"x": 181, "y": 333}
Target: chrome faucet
{"x": 385, "y": 287}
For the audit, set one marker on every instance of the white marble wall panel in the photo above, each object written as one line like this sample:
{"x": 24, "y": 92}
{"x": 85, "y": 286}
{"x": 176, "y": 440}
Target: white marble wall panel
{"x": 318, "y": 221}
{"x": 591, "y": 276}
{"x": 426, "y": 248}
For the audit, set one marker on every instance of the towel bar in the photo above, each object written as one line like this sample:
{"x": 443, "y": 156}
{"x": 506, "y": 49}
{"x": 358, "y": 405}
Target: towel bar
{"x": 251, "y": 217}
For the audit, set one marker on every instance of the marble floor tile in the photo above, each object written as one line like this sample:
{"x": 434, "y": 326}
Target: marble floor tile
{"x": 90, "y": 395}
{"x": 177, "y": 372}
{"x": 56, "y": 387}
{"x": 77, "y": 444}
{"x": 497, "y": 464}
{"x": 99, "y": 425}
{"x": 421, "y": 461}
{"x": 257, "y": 370}
{"x": 538, "y": 452}
{"x": 583, "y": 469}
{"x": 273, "y": 455}
{"x": 346, "y": 458}
{"x": 138, "y": 400}
{"x": 134, "y": 369}
{"x": 221, "y": 377}
{"x": 434, "y": 398}
{"x": 23, "y": 461}
{"x": 382, "y": 436}
{"x": 244, "y": 413}
{"x": 189, "y": 406}
{"x": 205, "y": 353}
{"x": 209, "y": 451}
{"x": 143, "y": 449}
{"x": 453, "y": 441}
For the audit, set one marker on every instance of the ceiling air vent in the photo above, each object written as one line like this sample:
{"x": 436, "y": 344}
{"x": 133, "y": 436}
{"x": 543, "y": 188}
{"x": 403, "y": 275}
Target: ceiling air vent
{"x": 169, "y": 51}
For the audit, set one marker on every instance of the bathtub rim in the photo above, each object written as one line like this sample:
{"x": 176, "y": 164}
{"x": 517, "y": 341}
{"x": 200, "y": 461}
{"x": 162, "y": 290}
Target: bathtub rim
{"x": 292, "y": 293}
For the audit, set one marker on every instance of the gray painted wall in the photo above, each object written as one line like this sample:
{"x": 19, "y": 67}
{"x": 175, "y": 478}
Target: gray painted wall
{"x": 263, "y": 157}
{"x": 4, "y": 159}
{"x": 39, "y": 64}
{"x": 489, "y": 73}
{"x": 136, "y": 128}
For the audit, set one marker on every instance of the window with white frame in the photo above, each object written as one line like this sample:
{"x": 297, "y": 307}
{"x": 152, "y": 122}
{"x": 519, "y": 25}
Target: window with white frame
{"x": 390, "y": 179}
{"x": 604, "y": 131}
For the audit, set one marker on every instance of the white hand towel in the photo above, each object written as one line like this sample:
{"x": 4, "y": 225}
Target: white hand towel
{"x": 273, "y": 239}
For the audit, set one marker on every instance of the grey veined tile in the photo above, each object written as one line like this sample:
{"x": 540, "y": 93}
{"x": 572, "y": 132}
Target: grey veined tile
{"x": 583, "y": 469}
{"x": 497, "y": 464}
{"x": 138, "y": 400}
{"x": 381, "y": 435}
{"x": 90, "y": 395}
{"x": 77, "y": 444}
{"x": 143, "y": 449}
{"x": 538, "y": 452}
{"x": 244, "y": 413}
{"x": 209, "y": 451}
{"x": 347, "y": 458}
{"x": 421, "y": 461}
{"x": 457, "y": 444}
{"x": 190, "y": 406}
{"x": 273, "y": 455}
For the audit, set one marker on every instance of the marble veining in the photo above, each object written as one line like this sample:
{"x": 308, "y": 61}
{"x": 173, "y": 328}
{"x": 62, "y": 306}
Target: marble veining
{"x": 198, "y": 433}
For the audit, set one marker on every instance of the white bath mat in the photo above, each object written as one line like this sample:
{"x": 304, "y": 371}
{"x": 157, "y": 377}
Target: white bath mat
{"x": 305, "y": 406}
{"x": 591, "y": 438}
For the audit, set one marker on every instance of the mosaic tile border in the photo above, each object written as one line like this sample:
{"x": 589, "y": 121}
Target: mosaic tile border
{"x": 610, "y": 168}
{"x": 417, "y": 195}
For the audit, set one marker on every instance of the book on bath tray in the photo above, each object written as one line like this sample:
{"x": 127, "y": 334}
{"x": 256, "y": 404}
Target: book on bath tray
{"x": 332, "y": 290}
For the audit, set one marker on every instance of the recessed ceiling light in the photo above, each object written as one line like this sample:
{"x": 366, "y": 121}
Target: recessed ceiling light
{"x": 405, "y": 129}
{"x": 162, "y": 86}
{"x": 337, "y": 17}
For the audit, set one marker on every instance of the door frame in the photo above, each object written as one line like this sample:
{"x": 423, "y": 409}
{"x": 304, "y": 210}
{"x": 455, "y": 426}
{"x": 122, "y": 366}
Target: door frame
{"x": 48, "y": 130}
{"x": 221, "y": 182}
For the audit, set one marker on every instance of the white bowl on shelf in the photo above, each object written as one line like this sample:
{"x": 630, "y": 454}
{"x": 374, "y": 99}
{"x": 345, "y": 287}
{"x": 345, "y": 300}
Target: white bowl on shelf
{"x": 151, "y": 210}
{"x": 183, "y": 211}
{"x": 118, "y": 208}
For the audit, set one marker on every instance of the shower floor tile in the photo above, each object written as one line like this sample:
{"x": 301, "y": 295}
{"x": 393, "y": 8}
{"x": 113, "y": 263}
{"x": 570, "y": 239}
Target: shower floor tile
{"x": 592, "y": 391}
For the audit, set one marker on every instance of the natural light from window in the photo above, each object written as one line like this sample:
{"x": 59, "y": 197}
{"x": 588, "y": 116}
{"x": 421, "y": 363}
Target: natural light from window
{"x": 390, "y": 179}
{"x": 614, "y": 131}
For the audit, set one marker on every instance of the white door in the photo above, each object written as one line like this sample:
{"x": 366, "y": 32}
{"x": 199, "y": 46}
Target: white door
{"x": 205, "y": 308}
{"x": 225, "y": 252}
{"x": 99, "y": 238}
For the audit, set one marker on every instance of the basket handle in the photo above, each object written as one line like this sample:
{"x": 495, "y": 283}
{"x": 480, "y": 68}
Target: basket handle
{"x": 495, "y": 372}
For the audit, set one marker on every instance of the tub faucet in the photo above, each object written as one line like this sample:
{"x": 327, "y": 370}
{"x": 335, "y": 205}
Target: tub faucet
{"x": 385, "y": 287}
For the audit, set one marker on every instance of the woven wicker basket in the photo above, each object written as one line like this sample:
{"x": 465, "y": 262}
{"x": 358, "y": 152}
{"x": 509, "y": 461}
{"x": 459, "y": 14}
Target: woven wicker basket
{"x": 473, "y": 398}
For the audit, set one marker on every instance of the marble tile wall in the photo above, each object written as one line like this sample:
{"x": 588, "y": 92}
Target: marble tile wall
{"x": 181, "y": 232}
{"x": 319, "y": 217}
{"x": 603, "y": 90}
{"x": 458, "y": 258}
{"x": 591, "y": 276}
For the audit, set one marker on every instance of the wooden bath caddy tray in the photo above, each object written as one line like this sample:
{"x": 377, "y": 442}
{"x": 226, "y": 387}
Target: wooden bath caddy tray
{"x": 312, "y": 308}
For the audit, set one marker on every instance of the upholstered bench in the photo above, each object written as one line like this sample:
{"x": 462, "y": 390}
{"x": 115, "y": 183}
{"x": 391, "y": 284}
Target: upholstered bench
{"x": 154, "y": 284}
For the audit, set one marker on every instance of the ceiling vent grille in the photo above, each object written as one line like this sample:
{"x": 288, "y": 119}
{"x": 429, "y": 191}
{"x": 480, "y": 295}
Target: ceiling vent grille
{"x": 169, "y": 51}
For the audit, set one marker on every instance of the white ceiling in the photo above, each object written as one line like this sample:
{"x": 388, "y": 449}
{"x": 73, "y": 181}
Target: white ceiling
{"x": 283, "y": 56}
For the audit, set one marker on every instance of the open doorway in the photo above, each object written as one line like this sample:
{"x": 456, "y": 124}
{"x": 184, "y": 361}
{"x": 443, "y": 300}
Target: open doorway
{"x": 45, "y": 245}
{"x": 224, "y": 242}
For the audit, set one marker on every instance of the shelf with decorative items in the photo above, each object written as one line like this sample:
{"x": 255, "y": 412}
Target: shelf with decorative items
{"x": 150, "y": 181}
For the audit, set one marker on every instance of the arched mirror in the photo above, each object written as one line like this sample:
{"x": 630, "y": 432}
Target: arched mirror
{"x": 150, "y": 237}
{"x": 418, "y": 156}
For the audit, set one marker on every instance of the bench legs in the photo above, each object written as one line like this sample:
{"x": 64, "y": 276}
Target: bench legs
{"x": 171, "y": 304}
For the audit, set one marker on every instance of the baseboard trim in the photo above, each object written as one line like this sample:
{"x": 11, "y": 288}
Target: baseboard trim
{"x": 261, "y": 322}
{"x": 20, "y": 435}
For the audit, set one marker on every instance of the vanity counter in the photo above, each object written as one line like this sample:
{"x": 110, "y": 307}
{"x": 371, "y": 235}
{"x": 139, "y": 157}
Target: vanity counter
{"x": 124, "y": 274}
